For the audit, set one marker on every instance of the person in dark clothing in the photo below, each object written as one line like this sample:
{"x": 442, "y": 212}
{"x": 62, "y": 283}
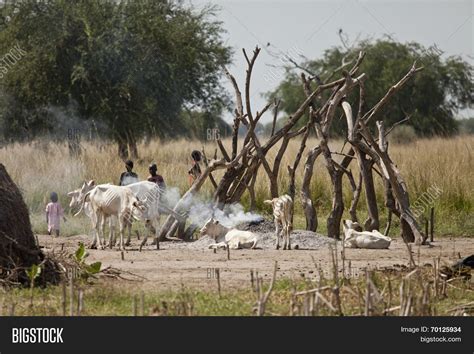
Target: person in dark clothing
{"x": 128, "y": 176}
{"x": 195, "y": 170}
{"x": 154, "y": 177}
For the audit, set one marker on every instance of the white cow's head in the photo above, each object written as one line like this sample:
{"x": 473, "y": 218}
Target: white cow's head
{"x": 74, "y": 198}
{"x": 271, "y": 202}
{"x": 77, "y": 195}
{"x": 213, "y": 228}
{"x": 352, "y": 225}
{"x": 138, "y": 208}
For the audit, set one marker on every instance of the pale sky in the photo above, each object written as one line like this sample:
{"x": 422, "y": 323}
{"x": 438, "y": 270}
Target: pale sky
{"x": 310, "y": 27}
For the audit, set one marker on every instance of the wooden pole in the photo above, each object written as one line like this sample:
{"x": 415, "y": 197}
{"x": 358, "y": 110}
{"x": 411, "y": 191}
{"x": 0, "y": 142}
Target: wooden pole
{"x": 432, "y": 224}
{"x": 368, "y": 297}
{"x": 142, "y": 303}
{"x": 426, "y": 228}
{"x": 80, "y": 302}
{"x": 134, "y": 305}
{"x": 71, "y": 296}
{"x": 63, "y": 302}
{"x": 218, "y": 276}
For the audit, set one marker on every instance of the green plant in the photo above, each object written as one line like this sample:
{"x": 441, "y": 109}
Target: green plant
{"x": 33, "y": 273}
{"x": 84, "y": 270}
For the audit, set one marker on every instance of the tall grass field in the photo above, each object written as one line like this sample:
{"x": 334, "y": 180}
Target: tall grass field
{"x": 447, "y": 164}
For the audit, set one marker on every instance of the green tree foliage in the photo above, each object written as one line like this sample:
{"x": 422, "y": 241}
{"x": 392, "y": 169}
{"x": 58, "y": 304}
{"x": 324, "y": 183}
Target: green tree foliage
{"x": 132, "y": 66}
{"x": 432, "y": 98}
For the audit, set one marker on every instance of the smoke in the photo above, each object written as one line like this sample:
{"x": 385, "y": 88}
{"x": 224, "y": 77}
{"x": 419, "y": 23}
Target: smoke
{"x": 67, "y": 125}
{"x": 129, "y": 180}
{"x": 231, "y": 216}
{"x": 171, "y": 196}
{"x": 201, "y": 210}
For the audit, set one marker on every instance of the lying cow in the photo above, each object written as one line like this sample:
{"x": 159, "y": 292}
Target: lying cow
{"x": 227, "y": 237}
{"x": 109, "y": 200}
{"x": 283, "y": 217}
{"x": 354, "y": 237}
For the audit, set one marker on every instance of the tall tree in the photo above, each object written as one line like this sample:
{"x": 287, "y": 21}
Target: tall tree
{"x": 432, "y": 99}
{"x": 133, "y": 66}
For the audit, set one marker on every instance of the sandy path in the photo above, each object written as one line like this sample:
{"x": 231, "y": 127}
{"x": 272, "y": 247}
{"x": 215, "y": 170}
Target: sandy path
{"x": 175, "y": 263}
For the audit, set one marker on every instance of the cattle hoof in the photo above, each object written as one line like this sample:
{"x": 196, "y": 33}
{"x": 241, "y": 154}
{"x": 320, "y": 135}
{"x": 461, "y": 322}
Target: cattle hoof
{"x": 92, "y": 247}
{"x": 128, "y": 243}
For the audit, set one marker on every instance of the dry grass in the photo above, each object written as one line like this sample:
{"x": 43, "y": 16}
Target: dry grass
{"x": 41, "y": 167}
{"x": 380, "y": 294}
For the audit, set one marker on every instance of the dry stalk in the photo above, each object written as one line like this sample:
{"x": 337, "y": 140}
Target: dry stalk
{"x": 218, "y": 277}
{"x": 262, "y": 298}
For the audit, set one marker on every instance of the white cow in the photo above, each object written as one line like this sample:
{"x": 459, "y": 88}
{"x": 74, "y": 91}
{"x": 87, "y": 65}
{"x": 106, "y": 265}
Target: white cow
{"x": 148, "y": 192}
{"x": 354, "y": 237}
{"x": 227, "y": 237}
{"x": 283, "y": 217}
{"x": 76, "y": 197}
{"x": 110, "y": 200}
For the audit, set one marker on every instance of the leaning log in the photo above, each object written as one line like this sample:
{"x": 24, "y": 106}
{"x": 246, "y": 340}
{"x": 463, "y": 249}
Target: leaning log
{"x": 185, "y": 203}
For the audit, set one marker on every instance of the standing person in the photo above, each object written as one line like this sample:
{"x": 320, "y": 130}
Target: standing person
{"x": 154, "y": 177}
{"x": 54, "y": 212}
{"x": 160, "y": 182}
{"x": 128, "y": 176}
{"x": 195, "y": 170}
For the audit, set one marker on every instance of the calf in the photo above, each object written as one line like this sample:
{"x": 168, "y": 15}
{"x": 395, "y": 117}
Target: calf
{"x": 283, "y": 217}
{"x": 227, "y": 237}
{"x": 354, "y": 237}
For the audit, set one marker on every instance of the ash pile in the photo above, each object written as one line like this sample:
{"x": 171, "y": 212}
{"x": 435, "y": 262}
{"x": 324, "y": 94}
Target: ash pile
{"x": 300, "y": 239}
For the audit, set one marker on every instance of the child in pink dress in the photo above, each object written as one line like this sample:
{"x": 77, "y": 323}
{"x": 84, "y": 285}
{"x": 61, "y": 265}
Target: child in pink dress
{"x": 54, "y": 212}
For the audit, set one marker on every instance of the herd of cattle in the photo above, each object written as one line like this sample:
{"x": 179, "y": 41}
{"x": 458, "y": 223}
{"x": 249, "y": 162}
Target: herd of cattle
{"x": 143, "y": 201}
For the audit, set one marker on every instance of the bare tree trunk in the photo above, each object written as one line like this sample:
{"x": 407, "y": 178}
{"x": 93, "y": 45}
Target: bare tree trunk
{"x": 305, "y": 194}
{"x": 132, "y": 146}
{"x": 220, "y": 195}
{"x": 122, "y": 149}
{"x": 252, "y": 193}
{"x": 334, "y": 218}
{"x": 365, "y": 165}
{"x": 183, "y": 205}
{"x": 410, "y": 228}
{"x": 355, "y": 199}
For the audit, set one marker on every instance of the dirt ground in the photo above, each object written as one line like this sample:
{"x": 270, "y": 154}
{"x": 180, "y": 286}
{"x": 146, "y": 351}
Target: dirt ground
{"x": 193, "y": 264}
